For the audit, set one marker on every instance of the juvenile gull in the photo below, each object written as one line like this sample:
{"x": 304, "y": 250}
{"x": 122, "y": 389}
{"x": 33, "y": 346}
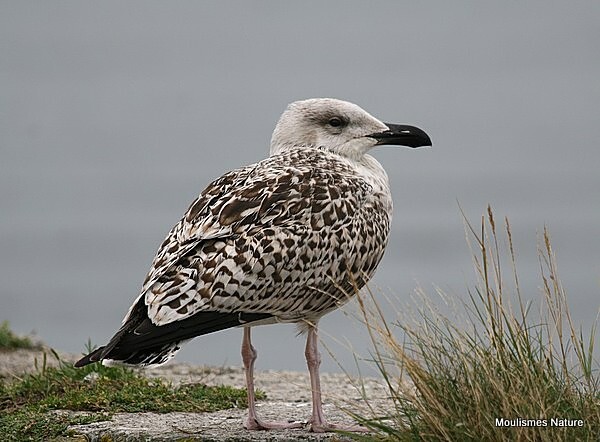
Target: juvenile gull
{"x": 287, "y": 239}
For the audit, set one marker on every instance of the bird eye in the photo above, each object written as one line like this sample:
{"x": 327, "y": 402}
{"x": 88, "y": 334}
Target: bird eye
{"x": 335, "y": 122}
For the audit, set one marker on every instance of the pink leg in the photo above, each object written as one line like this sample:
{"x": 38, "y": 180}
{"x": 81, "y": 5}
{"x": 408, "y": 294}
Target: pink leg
{"x": 253, "y": 422}
{"x": 313, "y": 360}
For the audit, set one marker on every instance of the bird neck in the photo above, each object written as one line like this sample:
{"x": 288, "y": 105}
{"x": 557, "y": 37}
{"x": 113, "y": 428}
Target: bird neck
{"x": 372, "y": 171}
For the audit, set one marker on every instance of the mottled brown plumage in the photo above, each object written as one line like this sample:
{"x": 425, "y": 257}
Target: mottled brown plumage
{"x": 275, "y": 237}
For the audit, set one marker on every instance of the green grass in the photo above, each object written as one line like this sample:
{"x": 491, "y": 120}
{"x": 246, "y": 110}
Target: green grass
{"x": 451, "y": 376}
{"x": 10, "y": 341}
{"x": 25, "y": 404}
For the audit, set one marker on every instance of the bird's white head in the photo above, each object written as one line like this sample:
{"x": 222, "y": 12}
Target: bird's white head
{"x": 339, "y": 126}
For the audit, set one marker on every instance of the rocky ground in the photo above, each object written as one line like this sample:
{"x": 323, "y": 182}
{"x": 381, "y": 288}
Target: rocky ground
{"x": 288, "y": 398}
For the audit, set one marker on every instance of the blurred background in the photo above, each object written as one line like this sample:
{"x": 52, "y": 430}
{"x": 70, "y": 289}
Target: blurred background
{"x": 114, "y": 116}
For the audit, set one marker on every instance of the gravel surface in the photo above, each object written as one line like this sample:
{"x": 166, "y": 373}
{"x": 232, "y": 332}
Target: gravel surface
{"x": 288, "y": 398}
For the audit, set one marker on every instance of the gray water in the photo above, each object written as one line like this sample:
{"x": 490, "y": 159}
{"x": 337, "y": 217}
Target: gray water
{"x": 114, "y": 116}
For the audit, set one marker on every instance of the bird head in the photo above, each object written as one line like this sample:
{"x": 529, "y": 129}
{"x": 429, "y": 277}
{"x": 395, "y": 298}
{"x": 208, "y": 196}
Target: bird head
{"x": 339, "y": 126}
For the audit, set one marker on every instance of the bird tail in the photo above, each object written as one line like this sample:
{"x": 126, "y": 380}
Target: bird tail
{"x": 141, "y": 342}
{"x": 154, "y": 356}
{"x": 94, "y": 356}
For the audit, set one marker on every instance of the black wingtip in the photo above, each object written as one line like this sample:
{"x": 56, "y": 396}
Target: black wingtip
{"x": 94, "y": 356}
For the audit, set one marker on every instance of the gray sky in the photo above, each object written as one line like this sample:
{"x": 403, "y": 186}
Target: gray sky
{"x": 114, "y": 116}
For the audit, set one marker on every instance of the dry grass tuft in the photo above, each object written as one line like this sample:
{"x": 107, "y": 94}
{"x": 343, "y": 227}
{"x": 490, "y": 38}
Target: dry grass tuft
{"x": 451, "y": 381}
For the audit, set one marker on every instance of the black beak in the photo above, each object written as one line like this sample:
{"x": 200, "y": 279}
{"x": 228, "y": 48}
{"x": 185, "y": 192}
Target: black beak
{"x": 399, "y": 134}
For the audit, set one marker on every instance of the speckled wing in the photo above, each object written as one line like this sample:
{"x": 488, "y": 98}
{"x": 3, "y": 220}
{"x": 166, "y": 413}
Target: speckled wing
{"x": 201, "y": 222}
{"x": 275, "y": 237}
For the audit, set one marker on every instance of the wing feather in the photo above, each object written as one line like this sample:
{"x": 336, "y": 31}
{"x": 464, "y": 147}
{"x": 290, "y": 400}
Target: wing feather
{"x": 252, "y": 237}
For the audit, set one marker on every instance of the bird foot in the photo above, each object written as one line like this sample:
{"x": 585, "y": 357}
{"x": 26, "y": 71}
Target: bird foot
{"x": 258, "y": 424}
{"x": 325, "y": 427}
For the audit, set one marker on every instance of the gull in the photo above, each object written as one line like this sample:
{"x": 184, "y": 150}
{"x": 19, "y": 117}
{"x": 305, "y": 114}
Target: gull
{"x": 285, "y": 240}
